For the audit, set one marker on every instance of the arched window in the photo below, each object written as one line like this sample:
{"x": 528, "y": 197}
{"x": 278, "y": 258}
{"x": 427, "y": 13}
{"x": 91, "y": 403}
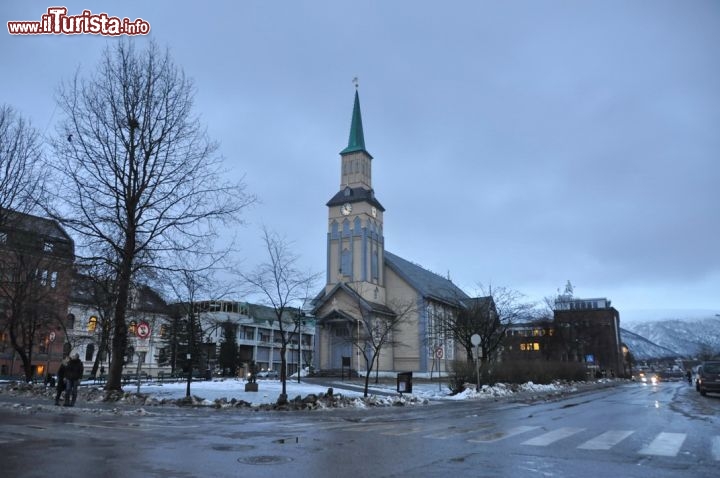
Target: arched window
{"x": 92, "y": 323}
{"x": 346, "y": 267}
{"x": 374, "y": 265}
{"x": 89, "y": 352}
{"x": 71, "y": 321}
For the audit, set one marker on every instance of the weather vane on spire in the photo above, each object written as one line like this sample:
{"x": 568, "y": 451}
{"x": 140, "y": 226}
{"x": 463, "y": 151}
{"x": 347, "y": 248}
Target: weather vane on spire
{"x": 355, "y": 82}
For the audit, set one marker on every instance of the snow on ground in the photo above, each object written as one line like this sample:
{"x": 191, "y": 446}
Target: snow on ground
{"x": 221, "y": 393}
{"x": 269, "y": 390}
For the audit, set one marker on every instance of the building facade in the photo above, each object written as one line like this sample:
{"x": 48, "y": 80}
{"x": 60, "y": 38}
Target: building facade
{"x": 89, "y": 330}
{"x": 364, "y": 281}
{"x": 36, "y": 262}
{"x": 257, "y": 335}
{"x": 581, "y": 330}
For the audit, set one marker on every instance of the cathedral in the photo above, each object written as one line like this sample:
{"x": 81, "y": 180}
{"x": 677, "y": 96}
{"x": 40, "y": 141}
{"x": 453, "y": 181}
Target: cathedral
{"x": 368, "y": 288}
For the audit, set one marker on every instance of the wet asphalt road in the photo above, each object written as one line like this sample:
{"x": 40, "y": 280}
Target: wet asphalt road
{"x": 632, "y": 430}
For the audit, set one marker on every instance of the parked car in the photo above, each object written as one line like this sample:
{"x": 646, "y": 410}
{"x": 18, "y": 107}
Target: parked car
{"x": 268, "y": 374}
{"x": 708, "y": 379}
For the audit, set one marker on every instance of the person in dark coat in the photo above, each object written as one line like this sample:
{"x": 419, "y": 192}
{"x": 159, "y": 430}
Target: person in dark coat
{"x": 60, "y": 387}
{"x": 73, "y": 374}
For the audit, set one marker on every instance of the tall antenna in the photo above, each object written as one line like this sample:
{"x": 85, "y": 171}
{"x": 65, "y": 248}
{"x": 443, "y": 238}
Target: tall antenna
{"x": 356, "y": 82}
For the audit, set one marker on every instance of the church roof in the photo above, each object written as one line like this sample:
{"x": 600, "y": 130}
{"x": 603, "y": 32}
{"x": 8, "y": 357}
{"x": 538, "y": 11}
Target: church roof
{"x": 428, "y": 283}
{"x": 374, "y": 307}
{"x": 352, "y": 195}
{"x": 356, "y": 141}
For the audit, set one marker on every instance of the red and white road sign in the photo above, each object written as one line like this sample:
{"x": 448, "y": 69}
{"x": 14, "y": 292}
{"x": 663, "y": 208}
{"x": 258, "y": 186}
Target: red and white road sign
{"x": 143, "y": 330}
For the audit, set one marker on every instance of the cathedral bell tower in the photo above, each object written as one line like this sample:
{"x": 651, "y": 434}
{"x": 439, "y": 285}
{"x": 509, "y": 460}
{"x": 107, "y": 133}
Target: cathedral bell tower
{"x": 355, "y": 244}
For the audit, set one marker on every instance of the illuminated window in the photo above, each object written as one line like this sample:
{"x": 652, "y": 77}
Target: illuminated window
{"x": 132, "y": 328}
{"x": 92, "y": 324}
{"x": 163, "y": 330}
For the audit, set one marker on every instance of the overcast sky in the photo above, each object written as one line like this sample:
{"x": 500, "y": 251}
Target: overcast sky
{"x": 517, "y": 143}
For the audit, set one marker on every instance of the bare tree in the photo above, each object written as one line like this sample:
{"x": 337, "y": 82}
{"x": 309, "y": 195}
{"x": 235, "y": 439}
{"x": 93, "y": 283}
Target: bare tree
{"x": 377, "y": 327}
{"x": 34, "y": 307}
{"x": 98, "y": 286}
{"x": 284, "y": 288}
{"x": 488, "y": 315}
{"x": 193, "y": 288}
{"x": 21, "y": 178}
{"x": 138, "y": 179}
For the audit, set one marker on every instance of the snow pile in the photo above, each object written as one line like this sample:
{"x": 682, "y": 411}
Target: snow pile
{"x": 230, "y": 393}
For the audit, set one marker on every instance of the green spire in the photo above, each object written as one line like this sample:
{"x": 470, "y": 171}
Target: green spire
{"x": 356, "y": 142}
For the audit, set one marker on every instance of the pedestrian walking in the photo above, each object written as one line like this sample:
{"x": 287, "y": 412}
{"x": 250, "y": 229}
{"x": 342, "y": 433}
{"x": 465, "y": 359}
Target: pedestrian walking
{"x": 60, "y": 387}
{"x": 73, "y": 374}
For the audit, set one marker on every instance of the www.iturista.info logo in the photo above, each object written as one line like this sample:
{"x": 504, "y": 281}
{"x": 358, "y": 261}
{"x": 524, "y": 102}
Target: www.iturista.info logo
{"x": 57, "y": 22}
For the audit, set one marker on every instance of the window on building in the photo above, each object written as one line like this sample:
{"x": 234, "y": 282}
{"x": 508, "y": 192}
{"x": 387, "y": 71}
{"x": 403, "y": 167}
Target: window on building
{"x": 530, "y": 347}
{"x": 47, "y": 247}
{"x": 163, "y": 330}
{"x": 346, "y": 266}
{"x": 44, "y": 344}
{"x": 53, "y": 279}
{"x": 374, "y": 269}
{"x": 92, "y": 323}
{"x": 132, "y": 327}
{"x": 3, "y": 237}
{"x": 70, "y": 321}
{"x": 89, "y": 352}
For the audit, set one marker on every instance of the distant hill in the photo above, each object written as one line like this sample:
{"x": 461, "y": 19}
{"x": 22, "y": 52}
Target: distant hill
{"x": 642, "y": 348}
{"x": 685, "y": 337}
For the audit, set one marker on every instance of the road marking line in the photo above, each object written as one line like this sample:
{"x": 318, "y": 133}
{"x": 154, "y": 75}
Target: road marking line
{"x": 551, "y": 437}
{"x": 665, "y": 444}
{"x": 403, "y": 431}
{"x": 370, "y": 428}
{"x": 716, "y": 448}
{"x": 448, "y": 432}
{"x": 607, "y": 440}
{"x": 491, "y": 437}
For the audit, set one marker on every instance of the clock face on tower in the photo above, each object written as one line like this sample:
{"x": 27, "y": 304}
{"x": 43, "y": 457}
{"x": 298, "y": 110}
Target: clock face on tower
{"x": 346, "y": 209}
{"x": 373, "y": 211}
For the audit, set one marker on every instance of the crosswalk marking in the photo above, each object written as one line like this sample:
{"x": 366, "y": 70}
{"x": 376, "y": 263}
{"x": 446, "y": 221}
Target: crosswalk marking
{"x": 716, "y": 448}
{"x": 665, "y": 444}
{"x": 607, "y": 440}
{"x": 551, "y": 437}
{"x": 491, "y": 437}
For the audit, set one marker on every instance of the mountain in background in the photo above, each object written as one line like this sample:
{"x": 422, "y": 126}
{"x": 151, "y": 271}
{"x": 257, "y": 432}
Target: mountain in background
{"x": 685, "y": 337}
{"x": 642, "y": 348}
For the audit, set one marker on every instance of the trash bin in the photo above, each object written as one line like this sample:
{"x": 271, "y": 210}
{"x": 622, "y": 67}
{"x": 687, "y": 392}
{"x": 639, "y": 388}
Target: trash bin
{"x": 404, "y": 382}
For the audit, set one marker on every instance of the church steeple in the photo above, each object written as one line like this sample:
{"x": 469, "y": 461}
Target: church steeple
{"x": 356, "y": 141}
{"x": 355, "y": 227}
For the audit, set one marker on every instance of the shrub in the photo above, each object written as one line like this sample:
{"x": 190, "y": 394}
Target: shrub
{"x": 462, "y": 372}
